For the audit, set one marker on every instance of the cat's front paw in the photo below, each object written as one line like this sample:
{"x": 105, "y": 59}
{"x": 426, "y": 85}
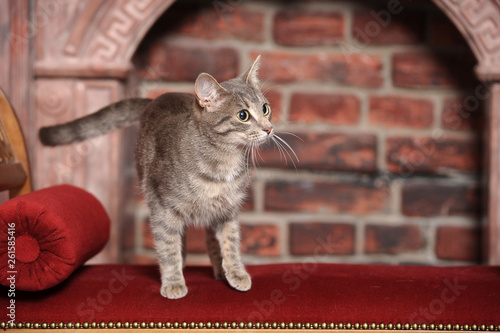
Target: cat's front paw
{"x": 174, "y": 291}
{"x": 239, "y": 280}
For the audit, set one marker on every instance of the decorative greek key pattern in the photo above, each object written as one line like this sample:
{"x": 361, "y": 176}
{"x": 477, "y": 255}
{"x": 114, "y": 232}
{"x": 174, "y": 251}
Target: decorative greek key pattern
{"x": 481, "y": 21}
{"x": 114, "y": 38}
{"x": 109, "y": 42}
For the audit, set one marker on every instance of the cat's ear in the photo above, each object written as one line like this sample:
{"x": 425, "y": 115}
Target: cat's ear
{"x": 250, "y": 75}
{"x": 208, "y": 91}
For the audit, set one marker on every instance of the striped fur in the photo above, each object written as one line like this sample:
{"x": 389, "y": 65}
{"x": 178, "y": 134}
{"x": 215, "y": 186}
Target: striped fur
{"x": 192, "y": 156}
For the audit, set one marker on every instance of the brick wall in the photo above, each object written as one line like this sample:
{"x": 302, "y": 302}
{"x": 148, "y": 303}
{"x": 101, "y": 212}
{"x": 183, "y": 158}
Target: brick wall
{"x": 388, "y": 111}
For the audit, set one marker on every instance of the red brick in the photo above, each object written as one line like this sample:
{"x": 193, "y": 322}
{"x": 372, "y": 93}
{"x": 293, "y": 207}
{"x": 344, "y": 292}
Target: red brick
{"x": 321, "y": 238}
{"x": 395, "y": 111}
{"x": 196, "y": 240}
{"x": 262, "y": 240}
{"x": 375, "y": 27}
{"x": 431, "y": 199}
{"x": 443, "y": 33}
{"x": 433, "y": 70}
{"x": 463, "y": 114}
{"x": 275, "y": 99}
{"x": 170, "y": 62}
{"x": 330, "y": 108}
{"x": 359, "y": 70}
{"x": 203, "y": 22}
{"x": 337, "y": 197}
{"x": 393, "y": 239}
{"x": 407, "y": 155}
{"x": 458, "y": 243}
{"x": 324, "y": 151}
{"x": 294, "y": 27}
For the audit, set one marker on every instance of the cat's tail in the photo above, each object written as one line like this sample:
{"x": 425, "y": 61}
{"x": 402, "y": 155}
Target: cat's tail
{"x": 118, "y": 115}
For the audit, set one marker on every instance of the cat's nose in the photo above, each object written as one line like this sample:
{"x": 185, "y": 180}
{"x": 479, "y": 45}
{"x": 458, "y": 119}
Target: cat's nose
{"x": 268, "y": 130}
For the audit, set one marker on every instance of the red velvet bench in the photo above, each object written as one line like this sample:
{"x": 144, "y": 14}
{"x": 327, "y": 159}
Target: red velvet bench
{"x": 291, "y": 296}
{"x": 57, "y": 229}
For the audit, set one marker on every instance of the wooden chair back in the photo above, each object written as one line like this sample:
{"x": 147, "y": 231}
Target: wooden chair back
{"x": 14, "y": 165}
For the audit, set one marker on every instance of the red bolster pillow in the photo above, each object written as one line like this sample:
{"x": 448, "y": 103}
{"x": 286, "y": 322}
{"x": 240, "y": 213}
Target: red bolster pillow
{"x": 47, "y": 234}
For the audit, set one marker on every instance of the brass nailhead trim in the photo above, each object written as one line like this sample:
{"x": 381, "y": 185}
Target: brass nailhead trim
{"x": 250, "y": 325}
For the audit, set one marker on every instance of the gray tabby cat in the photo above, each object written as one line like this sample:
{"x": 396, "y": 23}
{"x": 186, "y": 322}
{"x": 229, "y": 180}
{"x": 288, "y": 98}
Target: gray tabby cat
{"x": 192, "y": 158}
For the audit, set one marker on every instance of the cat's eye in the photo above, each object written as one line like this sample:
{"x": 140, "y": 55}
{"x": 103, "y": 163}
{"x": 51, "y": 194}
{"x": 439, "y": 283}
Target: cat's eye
{"x": 243, "y": 115}
{"x": 266, "y": 109}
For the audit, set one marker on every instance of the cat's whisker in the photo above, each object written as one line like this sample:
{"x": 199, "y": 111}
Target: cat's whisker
{"x": 285, "y": 147}
{"x": 245, "y": 154}
{"x": 246, "y": 157}
{"x": 290, "y": 133}
{"x": 258, "y": 154}
{"x": 248, "y": 151}
{"x": 255, "y": 154}
{"x": 286, "y": 153}
{"x": 268, "y": 89}
{"x": 280, "y": 149}
{"x": 262, "y": 83}
{"x": 250, "y": 155}
{"x": 290, "y": 148}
